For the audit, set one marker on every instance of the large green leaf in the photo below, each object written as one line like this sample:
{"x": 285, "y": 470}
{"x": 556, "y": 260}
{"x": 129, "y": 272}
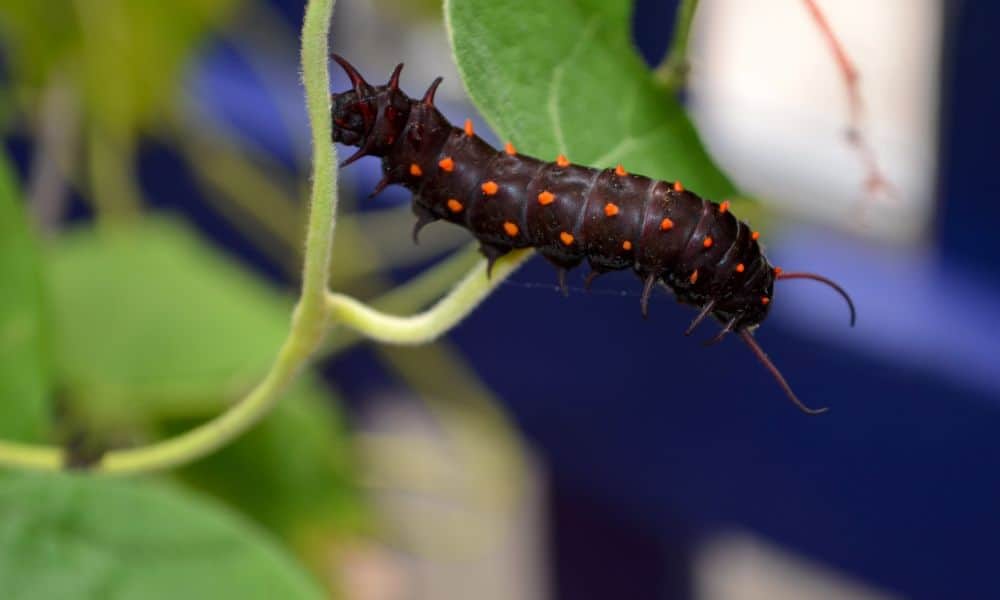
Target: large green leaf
{"x": 24, "y": 373}
{"x": 151, "y": 322}
{"x": 293, "y": 473}
{"x": 563, "y": 76}
{"x": 76, "y": 537}
{"x": 158, "y": 331}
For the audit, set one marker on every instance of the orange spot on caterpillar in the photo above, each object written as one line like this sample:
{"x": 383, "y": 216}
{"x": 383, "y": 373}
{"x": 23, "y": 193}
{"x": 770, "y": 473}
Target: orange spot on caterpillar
{"x": 469, "y": 131}
{"x": 490, "y": 188}
{"x": 620, "y": 170}
{"x": 627, "y": 245}
{"x": 740, "y": 268}
{"x": 454, "y": 205}
{"x": 724, "y": 207}
{"x": 509, "y": 149}
{"x": 510, "y": 228}
{"x": 566, "y": 237}
{"x": 678, "y": 187}
{"x": 694, "y": 277}
{"x": 546, "y": 198}
{"x": 777, "y": 271}
{"x": 764, "y": 300}
{"x": 562, "y": 161}
{"x": 610, "y": 209}
{"x": 415, "y": 170}
{"x": 755, "y": 235}
{"x": 447, "y": 164}
{"x": 708, "y": 242}
{"x": 666, "y": 224}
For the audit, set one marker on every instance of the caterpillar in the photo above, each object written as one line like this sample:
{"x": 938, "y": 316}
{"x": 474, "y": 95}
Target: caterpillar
{"x": 569, "y": 213}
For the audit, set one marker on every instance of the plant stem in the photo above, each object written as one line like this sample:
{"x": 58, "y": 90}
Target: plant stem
{"x": 672, "y": 72}
{"x": 414, "y": 294}
{"x": 309, "y": 321}
{"x": 317, "y": 308}
{"x": 433, "y": 322}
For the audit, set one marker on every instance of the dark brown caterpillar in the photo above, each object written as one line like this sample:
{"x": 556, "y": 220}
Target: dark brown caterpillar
{"x": 613, "y": 219}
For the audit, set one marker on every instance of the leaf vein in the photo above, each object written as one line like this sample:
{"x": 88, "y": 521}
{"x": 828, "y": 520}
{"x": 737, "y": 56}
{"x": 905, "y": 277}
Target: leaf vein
{"x": 558, "y": 72}
{"x": 628, "y": 143}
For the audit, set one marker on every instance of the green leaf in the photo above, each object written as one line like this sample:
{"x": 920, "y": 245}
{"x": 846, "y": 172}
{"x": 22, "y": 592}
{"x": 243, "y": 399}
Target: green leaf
{"x": 151, "y": 322}
{"x": 24, "y": 375}
{"x": 563, "y": 76}
{"x": 77, "y": 537}
{"x": 124, "y": 56}
{"x": 158, "y": 331}
{"x": 300, "y": 455}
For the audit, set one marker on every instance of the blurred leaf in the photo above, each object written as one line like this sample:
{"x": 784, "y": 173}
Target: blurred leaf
{"x": 25, "y": 412}
{"x": 563, "y": 76}
{"x": 151, "y": 322}
{"x": 75, "y": 537}
{"x": 293, "y": 473}
{"x": 155, "y": 328}
{"x": 125, "y": 55}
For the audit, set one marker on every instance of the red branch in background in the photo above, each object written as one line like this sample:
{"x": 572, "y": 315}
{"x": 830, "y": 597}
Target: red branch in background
{"x": 875, "y": 182}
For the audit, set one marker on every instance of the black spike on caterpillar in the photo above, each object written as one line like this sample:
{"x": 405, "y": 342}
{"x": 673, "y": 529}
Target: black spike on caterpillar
{"x": 610, "y": 218}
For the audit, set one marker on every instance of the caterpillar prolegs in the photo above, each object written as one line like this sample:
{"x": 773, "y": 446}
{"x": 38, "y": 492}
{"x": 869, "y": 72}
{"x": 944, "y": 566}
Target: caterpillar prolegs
{"x": 610, "y": 218}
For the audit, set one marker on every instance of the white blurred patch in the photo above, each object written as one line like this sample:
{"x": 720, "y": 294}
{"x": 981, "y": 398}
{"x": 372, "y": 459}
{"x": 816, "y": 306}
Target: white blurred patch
{"x": 771, "y": 104}
{"x": 742, "y": 567}
{"x": 461, "y": 512}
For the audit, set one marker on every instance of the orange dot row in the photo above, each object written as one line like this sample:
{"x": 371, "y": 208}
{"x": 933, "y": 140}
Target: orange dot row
{"x": 546, "y": 197}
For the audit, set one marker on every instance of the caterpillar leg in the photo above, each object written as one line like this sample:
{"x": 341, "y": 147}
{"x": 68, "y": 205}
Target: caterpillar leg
{"x": 561, "y": 278}
{"x": 563, "y": 263}
{"x": 492, "y": 253}
{"x": 383, "y": 183}
{"x": 726, "y": 329}
{"x": 705, "y": 311}
{"x": 424, "y": 218}
{"x": 594, "y": 274}
{"x": 647, "y": 290}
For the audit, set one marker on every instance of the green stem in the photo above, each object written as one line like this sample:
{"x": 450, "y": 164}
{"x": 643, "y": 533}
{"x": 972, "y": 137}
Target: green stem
{"x": 114, "y": 192}
{"x": 309, "y": 321}
{"x": 672, "y": 72}
{"x": 317, "y": 308}
{"x": 414, "y": 294}
{"x": 433, "y": 322}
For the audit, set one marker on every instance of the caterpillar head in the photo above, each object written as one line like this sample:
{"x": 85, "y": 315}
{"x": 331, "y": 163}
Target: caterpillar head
{"x": 754, "y": 301}
{"x": 371, "y": 117}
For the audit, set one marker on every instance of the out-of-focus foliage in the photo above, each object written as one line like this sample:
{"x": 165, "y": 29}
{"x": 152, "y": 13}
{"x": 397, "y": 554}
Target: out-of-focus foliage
{"x": 123, "y": 56}
{"x": 154, "y": 330}
{"x": 151, "y": 330}
{"x": 150, "y": 322}
{"x": 563, "y": 76}
{"x": 24, "y": 373}
{"x": 293, "y": 473}
{"x": 78, "y": 537}
{"x": 87, "y": 537}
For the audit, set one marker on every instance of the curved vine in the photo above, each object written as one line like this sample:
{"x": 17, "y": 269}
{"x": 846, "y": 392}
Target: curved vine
{"x": 316, "y": 312}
